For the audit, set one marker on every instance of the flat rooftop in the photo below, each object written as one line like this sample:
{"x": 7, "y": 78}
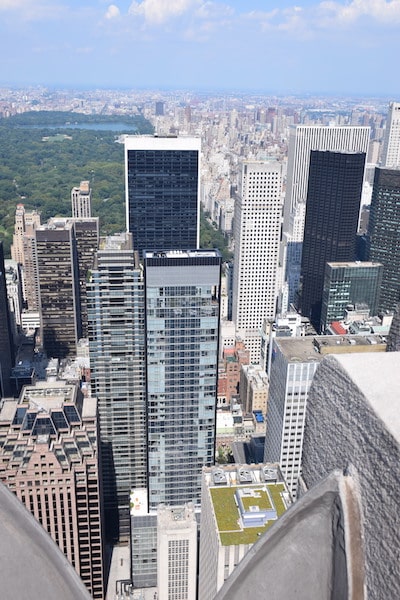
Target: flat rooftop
{"x": 247, "y": 500}
{"x": 182, "y": 254}
{"x": 313, "y": 348}
{"x": 263, "y": 497}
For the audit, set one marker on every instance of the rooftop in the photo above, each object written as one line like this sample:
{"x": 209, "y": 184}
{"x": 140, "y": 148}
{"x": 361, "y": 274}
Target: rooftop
{"x": 244, "y": 505}
{"x": 313, "y": 348}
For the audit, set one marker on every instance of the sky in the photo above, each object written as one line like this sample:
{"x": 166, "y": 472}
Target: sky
{"x": 344, "y": 47}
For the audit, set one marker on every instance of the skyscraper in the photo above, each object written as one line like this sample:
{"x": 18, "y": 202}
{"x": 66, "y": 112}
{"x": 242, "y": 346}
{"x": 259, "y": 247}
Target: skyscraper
{"x": 349, "y": 283}
{"x": 49, "y": 458}
{"x": 81, "y": 200}
{"x": 6, "y": 339}
{"x": 332, "y": 209}
{"x": 391, "y": 146}
{"x": 257, "y": 235}
{"x": 384, "y": 233}
{"x": 117, "y": 358}
{"x": 182, "y": 317}
{"x": 59, "y": 287}
{"x": 162, "y": 192}
{"x": 303, "y": 139}
{"x": 87, "y": 242}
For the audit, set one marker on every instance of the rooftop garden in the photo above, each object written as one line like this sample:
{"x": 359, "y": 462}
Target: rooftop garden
{"x": 227, "y": 513}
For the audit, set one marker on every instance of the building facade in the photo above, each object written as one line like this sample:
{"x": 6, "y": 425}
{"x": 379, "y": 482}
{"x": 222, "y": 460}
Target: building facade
{"x": 49, "y": 458}
{"x": 162, "y": 192}
{"x": 81, "y": 201}
{"x": 117, "y": 359}
{"x": 182, "y": 329}
{"x": 391, "y": 145}
{"x": 384, "y": 233}
{"x": 177, "y": 552}
{"x": 356, "y": 283}
{"x": 333, "y": 205}
{"x": 59, "y": 287}
{"x": 257, "y": 236}
{"x": 6, "y": 339}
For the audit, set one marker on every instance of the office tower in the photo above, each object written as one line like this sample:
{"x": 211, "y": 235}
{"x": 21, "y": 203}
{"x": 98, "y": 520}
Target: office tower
{"x": 293, "y": 366}
{"x": 81, "y": 200}
{"x": 257, "y": 234}
{"x": 59, "y": 287}
{"x": 294, "y": 363}
{"x": 6, "y": 339}
{"x": 391, "y": 145}
{"x": 176, "y": 552}
{"x": 349, "y": 283}
{"x": 182, "y": 322}
{"x": 239, "y": 504}
{"x": 303, "y": 139}
{"x": 352, "y": 426}
{"x": 49, "y": 458}
{"x": 17, "y": 252}
{"x": 333, "y": 204}
{"x": 23, "y": 251}
{"x": 162, "y": 192}
{"x": 384, "y": 233}
{"x": 87, "y": 242}
{"x": 117, "y": 360}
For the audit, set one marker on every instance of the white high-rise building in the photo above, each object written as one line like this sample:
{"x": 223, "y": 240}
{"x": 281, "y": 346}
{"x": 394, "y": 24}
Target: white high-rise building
{"x": 391, "y": 146}
{"x": 257, "y": 235}
{"x": 81, "y": 200}
{"x": 303, "y": 139}
{"x": 177, "y": 552}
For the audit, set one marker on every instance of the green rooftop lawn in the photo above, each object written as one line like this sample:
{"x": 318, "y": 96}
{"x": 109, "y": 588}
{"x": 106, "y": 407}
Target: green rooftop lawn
{"x": 227, "y": 514}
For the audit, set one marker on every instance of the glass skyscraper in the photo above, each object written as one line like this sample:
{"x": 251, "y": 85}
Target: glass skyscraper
{"x": 349, "y": 283}
{"x": 384, "y": 233}
{"x": 117, "y": 358}
{"x": 162, "y": 192}
{"x": 182, "y": 320}
{"x": 332, "y": 208}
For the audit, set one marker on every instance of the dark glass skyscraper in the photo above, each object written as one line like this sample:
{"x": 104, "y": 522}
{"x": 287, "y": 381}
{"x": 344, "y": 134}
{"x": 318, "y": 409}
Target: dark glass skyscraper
{"x": 6, "y": 341}
{"x": 162, "y": 192}
{"x": 333, "y": 204}
{"x": 384, "y": 233}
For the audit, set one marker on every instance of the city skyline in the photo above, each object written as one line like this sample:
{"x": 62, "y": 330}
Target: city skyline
{"x": 322, "y": 47}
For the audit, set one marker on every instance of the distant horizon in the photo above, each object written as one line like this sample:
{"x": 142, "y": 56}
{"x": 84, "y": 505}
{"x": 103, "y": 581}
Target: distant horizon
{"x": 338, "y": 47}
{"x": 223, "y": 91}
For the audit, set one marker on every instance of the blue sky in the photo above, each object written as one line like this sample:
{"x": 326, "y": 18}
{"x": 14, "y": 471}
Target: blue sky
{"x": 332, "y": 46}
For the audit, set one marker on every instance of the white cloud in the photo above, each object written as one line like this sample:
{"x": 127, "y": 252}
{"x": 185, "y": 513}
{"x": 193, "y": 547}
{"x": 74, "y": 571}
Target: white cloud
{"x": 159, "y": 11}
{"x": 112, "y": 12}
{"x": 32, "y": 10}
{"x": 212, "y": 10}
{"x": 379, "y": 10}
